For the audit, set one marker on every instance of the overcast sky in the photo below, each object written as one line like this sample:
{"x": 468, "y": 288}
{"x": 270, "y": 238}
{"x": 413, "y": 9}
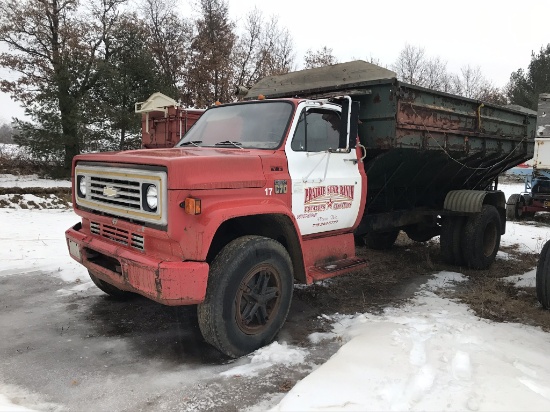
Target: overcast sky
{"x": 497, "y": 36}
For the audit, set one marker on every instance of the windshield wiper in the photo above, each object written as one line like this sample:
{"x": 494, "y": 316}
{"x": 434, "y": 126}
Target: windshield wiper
{"x": 193, "y": 142}
{"x": 229, "y": 142}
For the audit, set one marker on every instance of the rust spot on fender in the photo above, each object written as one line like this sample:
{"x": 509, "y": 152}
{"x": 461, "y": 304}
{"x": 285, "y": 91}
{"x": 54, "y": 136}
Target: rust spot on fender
{"x": 158, "y": 283}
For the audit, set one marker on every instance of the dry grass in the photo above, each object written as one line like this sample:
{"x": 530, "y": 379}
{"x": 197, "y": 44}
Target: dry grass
{"x": 493, "y": 299}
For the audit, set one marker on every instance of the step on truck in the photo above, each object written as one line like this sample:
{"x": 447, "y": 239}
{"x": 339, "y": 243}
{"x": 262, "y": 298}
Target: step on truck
{"x": 276, "y": 190}
{"x": 536, "y": 196}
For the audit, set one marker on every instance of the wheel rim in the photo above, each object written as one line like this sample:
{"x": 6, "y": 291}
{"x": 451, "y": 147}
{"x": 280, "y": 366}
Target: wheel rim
{"x": 258, "y": 299}
{"x": 490, "y": 239}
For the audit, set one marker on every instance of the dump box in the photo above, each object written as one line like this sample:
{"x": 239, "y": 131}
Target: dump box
{"x": 420, "y": 143}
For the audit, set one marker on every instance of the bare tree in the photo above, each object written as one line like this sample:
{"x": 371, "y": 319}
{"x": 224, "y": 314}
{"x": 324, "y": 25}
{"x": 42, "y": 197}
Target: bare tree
{"x": 436, "y": 76}
{"x": 410, "y": 65}
{"x": 319, "y": 58}
{"x": 263, "y": 49}
{"x": 170, "y": 38}
{"x": 414, "y": 67}
{"x": 469, "y": 82}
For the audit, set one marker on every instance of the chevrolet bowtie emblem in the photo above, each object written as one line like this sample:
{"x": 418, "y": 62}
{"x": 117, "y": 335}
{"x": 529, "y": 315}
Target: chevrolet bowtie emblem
{"x": 110, "y": 191}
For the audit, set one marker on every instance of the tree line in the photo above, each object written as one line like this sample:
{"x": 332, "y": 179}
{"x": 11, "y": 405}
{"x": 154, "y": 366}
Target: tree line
{"x": 82, "y": 64}
{"x": 415, "y": 67}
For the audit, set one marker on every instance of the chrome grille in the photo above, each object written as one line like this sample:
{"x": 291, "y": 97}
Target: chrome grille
{"x": 128, "y": 192}
{"x": 118, "y": 235}
{"x": 119, "y": 192}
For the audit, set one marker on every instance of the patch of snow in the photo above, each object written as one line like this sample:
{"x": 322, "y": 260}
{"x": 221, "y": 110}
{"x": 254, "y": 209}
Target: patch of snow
{"x": 28, "y": 201}
{"x": 432, "y": 354}
{"x": 527, "y": 280}
{"x": 34, "y": 240}
{"x": 9, "y": 180}
{"x": 444, "y": 280}
{"x": 324, "y": 283}
{"x": 267, "y": 357}
{"x": 511, "y": 188}
{"x": 528, "y": 237}
{"x": 15, "y": 399}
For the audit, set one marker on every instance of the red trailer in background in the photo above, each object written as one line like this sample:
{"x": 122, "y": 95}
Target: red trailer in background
{"x": 163, "y": 122}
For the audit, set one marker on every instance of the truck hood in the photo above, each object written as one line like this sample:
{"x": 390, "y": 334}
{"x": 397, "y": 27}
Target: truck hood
{"x": 194, "y": 168}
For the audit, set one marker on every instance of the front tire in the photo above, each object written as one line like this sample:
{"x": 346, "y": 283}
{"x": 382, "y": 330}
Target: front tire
{"x": 110, "y": 289}
{"x": 248, "y": 296}
{"x": 543, "y": 277}
{"x": 481, "y": 239}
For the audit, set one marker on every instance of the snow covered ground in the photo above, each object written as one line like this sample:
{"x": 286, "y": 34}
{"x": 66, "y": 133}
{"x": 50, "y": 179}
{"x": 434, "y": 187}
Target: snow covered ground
{"x": 8, "y": 180}
{"x": 431, "y": 354}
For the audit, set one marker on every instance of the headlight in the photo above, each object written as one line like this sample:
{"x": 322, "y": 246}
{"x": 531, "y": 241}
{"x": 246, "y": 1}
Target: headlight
{"x": 152, "y": 197}
{"x": 81, "y": 186}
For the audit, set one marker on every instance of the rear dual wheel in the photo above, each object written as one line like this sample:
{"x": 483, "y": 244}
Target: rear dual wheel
{"x": 472, "y": 241}
{"x": 481, "y": 238}
{"x": 514, "y": 207}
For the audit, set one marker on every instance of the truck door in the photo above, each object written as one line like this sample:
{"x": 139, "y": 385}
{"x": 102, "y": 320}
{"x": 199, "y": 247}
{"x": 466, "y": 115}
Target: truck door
{"x": 326, "y": 183}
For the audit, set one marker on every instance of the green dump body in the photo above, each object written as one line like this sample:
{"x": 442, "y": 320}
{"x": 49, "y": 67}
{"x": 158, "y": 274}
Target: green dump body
{"x": 420, "y": 143}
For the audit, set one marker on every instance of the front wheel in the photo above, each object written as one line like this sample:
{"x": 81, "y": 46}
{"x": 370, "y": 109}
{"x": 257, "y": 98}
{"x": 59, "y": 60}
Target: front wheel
{"x": 109, "y": 289}
{"x": 248, "y": 296}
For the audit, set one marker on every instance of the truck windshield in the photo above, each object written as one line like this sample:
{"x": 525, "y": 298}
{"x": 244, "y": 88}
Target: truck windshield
{"x": 255, "y": 125}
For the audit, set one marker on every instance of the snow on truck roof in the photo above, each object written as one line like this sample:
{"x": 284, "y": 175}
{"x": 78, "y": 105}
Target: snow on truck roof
{"x": 328, "y": 77}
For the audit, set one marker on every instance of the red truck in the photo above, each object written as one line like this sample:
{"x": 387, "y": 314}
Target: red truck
{"x": 264, "y": 193}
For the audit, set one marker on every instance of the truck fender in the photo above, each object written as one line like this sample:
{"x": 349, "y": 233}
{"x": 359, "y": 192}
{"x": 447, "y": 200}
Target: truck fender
{"x": 250, "y": 208}
{"x": 472, "y": 201}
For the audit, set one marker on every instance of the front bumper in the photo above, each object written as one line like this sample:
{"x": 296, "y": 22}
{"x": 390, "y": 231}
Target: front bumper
{"x": 170, "y": 283}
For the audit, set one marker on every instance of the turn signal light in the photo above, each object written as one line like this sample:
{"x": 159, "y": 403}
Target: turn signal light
{"x": 192, "y": 206}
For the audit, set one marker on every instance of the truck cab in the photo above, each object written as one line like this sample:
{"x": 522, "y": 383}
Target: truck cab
{"x": 256, "y": 196}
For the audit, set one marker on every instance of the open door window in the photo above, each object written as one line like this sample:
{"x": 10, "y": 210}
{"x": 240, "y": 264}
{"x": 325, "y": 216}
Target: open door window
{"x": 318, "y": 130}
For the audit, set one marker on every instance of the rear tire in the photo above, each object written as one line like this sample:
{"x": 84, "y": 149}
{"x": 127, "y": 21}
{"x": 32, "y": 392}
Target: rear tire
{"x": 248, "y": 296}
{"x": 481, "y": 239}
{"x": 514, "y": 207}
{"x": 109, "y": 289}
{"x": 381, "y": 240}
{"x": 450, "y": 241}
{"x": 543, "y": 277}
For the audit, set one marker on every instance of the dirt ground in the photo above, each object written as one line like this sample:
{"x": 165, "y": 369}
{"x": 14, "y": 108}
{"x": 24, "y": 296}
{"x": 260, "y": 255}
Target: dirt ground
{"x": 392, "y": 277}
